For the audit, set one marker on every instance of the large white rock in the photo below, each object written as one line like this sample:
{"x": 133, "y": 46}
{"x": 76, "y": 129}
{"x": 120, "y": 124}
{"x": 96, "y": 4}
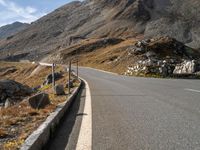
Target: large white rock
{"x": 187, "y": 67}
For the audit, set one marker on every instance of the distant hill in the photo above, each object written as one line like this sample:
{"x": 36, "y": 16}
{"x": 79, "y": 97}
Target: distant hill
{"x": 125, "y": 19}
{"x": 11, "y": 29}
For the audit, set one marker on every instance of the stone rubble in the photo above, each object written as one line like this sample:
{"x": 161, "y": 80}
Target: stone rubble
{"x": 154, "y": 58}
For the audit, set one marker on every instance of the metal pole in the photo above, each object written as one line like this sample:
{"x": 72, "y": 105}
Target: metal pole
{"x": 69, "y": 82}
{"x": 53, "y": 77}
{"x": 77, "y": 69}
{"x": 77, "y": 63}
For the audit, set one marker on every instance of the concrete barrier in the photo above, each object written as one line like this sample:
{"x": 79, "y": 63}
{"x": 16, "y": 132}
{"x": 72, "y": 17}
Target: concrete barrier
{"x": 39, "y": 138}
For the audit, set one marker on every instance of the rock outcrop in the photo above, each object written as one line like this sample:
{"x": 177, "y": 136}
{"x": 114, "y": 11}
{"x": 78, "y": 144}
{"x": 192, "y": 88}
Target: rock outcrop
{"x": 39, "y": 101}
{"x": 163, "y": 56}
{"x": 13, "y": 90}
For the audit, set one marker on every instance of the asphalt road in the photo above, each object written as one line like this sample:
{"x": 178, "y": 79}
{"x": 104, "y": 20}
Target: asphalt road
{"x": 130, "y": 113}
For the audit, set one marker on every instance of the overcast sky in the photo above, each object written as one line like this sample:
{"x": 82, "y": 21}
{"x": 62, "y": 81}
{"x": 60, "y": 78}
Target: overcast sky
{"x": 26, "y": 10}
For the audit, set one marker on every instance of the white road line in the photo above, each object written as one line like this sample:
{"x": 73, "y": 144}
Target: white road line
{"x": 85, "y": 135}
{"x": 192, "y": 90}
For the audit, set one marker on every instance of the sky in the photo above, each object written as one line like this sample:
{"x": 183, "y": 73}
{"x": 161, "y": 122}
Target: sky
{"x": 26, "y": 10}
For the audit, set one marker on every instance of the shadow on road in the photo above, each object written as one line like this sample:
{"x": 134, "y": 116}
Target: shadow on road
{"x": 64, "y": 137}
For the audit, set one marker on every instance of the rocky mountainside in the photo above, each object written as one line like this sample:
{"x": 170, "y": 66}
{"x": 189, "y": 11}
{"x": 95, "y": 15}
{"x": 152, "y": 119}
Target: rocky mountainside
{"x": 106, "y": 18}
{"x": 8, "y": 30}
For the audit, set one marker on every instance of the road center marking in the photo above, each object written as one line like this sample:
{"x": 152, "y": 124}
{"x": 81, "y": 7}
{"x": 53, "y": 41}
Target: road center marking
{"x": 193, "y": 90}
{"x": 85, "y": 135}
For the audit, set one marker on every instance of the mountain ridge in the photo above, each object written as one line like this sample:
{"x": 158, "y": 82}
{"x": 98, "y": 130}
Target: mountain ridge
{"x": 8, "y": 30}
{"x": 76, "y": 21}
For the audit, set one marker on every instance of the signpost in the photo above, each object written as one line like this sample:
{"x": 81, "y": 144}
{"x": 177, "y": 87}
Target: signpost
{"x": 69, "y": 74}
{"x": 77, "y": 69}
{"x": 53, "y": 77}
{"x": 69, "y": 79}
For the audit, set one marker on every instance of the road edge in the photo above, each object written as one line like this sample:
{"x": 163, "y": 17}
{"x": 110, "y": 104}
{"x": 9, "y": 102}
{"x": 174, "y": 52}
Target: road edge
{"x": 85, "y": 135}
{"x": 39, "y": 138}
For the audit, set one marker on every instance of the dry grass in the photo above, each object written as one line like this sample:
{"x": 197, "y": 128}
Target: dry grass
{"x": 23, "y": 70}
{"x": 21, "y": 120}
{"x": 106, "y": 58}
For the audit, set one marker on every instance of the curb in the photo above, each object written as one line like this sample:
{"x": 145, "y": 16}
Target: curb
{"x": 39, "y": 138}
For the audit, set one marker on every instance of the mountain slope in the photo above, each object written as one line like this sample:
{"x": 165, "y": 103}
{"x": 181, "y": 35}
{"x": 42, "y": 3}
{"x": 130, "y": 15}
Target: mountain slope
{"x": 106, "y": 18}
{"x": 11, "y": 29}
{"x": 163, "y": 56}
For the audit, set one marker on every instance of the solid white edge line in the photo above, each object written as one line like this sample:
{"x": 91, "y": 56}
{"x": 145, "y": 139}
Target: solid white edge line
{"x": 192, "y": 90}
{"x": 85, "y": 135}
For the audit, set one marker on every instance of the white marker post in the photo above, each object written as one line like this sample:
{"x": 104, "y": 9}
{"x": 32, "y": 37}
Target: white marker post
{"x": 69, "y": 82}
{"x": 53, "y": 77}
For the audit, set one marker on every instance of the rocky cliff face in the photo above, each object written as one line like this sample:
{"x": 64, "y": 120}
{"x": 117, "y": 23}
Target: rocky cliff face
{"x": 106, "y": 18}
{"x": 177, "y": 19}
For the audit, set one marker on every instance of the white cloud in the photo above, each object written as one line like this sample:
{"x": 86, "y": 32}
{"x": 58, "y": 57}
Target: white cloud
{"x": 12, "y": 12}
{"x": 31, "y": 10}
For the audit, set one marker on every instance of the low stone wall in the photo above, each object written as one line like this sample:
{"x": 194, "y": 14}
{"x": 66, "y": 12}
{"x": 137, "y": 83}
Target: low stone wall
{"x": 39, "y": 138}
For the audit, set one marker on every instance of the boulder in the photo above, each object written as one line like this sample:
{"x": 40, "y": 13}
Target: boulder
{"x": 12, "y": 89}
{"x": 48, "y": 79}
{"x": 70, "y": 84}
{"x": 187, "y": 67}
{"x": 39, "y": 101}
{"x": 59, "y": 89}
{"x": 163, "y": 70}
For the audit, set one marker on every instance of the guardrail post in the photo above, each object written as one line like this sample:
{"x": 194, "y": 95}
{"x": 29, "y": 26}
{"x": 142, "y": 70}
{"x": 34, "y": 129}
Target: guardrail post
{"x": 53, "y": 77}
{"x": 69, "y": 79}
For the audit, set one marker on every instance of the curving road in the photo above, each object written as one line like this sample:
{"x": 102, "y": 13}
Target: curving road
{"x": 130, "y": 113}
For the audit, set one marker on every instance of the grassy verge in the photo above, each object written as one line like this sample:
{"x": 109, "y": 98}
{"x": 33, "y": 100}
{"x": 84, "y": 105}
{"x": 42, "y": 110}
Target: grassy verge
{"x": 19, "y": 121}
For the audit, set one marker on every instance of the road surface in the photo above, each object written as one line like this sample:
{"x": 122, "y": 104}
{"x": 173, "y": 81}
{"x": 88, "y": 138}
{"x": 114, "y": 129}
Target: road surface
{"x": 130, "y": 113}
